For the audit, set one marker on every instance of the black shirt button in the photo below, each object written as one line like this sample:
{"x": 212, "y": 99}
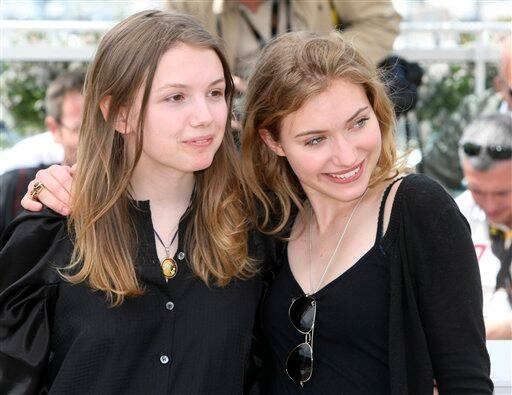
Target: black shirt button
{"x": 181, "y": 255}
{"x": 164, "y": 359}
{"x": 169, "y": 305}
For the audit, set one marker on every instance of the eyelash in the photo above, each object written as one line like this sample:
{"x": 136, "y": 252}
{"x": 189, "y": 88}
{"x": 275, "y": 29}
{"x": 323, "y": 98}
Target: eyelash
{"x": 173, "y": 99}
{"x": 359, "y": 124}
{"x": 215, "y": 93}
{"x": 315, "y": 140}
{"x": 218, "y": 93}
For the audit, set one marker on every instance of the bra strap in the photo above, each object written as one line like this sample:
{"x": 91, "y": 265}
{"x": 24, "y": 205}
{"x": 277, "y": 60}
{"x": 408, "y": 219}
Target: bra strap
{"x": 381, "y": 210}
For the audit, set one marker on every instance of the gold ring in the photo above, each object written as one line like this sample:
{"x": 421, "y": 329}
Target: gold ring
{"x": 36, "y": 190}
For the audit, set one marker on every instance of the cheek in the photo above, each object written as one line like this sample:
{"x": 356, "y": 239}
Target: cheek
{"x": 220, "y": 114}
{"x": 70, "y": 138}
{"x": 164, "y": 117}
{"x": 374, "y": 137}
{"x": 477, "y": 198}
{"x": 307, "y": 161}
{"x": 506, "y": 202}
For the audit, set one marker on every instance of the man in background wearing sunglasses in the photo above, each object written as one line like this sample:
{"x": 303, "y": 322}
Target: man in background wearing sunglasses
{"x": 64, "y": 106}
{"x": 485, "y": 151}
{"x": 441, "y": 159}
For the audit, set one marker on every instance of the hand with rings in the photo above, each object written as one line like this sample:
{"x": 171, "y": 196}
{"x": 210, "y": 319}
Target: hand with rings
{"x": 50, "y": 188}
{"x": 36, "y": 189}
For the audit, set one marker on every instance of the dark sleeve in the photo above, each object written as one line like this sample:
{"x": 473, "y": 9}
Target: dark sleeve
{"x": 449, "y": 291}
{"x": 7, "y": 196}
{"x": 13, "y": 186}
{"x": 30, "y": 249}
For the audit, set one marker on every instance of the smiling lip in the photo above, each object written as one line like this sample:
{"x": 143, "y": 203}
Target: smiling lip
{"x": 346, "y": 176}
{"x": 201, "y": 141}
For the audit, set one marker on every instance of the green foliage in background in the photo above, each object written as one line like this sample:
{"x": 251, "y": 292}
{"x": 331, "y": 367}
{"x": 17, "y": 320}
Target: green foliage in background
{"x": 22, "y": 90}
{"x": 448, "y": 104}
{"x": 443, "y": 90}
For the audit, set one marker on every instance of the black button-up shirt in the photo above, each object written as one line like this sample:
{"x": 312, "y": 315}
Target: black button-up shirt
{"x": 180, "y": 337}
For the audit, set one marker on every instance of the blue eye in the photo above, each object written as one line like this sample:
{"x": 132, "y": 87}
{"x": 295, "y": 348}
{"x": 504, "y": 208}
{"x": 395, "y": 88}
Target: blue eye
{"x": 361, "y": 122}
{"x": 315, "y": 140}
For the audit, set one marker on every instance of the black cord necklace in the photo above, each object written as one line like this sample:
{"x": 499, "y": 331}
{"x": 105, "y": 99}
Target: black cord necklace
{"x": 169, "y": 265}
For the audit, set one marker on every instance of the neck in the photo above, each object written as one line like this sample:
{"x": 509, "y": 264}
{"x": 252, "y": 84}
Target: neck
{"x": 328, "y": 211}
{"x": 164, "y": 187}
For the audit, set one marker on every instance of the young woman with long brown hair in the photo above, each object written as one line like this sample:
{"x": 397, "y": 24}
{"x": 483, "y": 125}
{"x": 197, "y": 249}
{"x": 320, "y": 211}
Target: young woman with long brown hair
{"x": 148, "y": 287}
{"x": 378, "y": 289}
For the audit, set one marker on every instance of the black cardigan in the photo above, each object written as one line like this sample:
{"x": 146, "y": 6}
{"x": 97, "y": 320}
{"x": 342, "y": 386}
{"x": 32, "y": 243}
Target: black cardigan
{"x": 436, "y": 324}
{"x": 435, "y": 315}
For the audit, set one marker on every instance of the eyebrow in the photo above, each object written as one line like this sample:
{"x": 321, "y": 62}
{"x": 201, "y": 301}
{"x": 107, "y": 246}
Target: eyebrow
{"x": 308, "y": 132}
{"x": 177, "y": 85}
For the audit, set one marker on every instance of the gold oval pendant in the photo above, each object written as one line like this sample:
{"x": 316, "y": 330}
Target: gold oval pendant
{"x": 169, "y": 268}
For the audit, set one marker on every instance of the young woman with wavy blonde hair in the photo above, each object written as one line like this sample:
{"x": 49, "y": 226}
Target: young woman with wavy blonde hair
{"x": 148, "y": 287}
{"x": 378, "y": 290}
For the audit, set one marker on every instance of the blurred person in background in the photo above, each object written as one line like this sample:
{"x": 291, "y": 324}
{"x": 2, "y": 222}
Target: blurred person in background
{"x": 486, "y": 158}
{"x": 64, "y": 106}
{"x": 37, "y": 150}
{"x": 441, "y": 160}
{"x": 247, "y": 25}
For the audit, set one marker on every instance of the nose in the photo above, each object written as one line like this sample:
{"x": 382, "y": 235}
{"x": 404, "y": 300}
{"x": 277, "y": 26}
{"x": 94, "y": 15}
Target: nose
{"x": 201, "y": 114}
{"x": 343, "y": 152}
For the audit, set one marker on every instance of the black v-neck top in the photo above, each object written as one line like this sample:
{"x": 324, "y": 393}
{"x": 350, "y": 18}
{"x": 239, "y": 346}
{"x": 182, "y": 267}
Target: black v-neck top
{"x": 428, "y": 319}
{"x": 180, "y": 337}
{"x": 350, "y": 339}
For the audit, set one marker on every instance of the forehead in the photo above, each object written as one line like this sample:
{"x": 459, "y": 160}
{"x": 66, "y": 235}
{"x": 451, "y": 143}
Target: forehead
{"x": 498, "y": 177}
{"x": 330, "y": 108}
{"x": 187, "y": 64}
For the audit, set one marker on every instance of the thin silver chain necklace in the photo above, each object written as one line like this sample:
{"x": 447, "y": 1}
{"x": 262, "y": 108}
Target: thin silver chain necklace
{"x": 331, "y": 259}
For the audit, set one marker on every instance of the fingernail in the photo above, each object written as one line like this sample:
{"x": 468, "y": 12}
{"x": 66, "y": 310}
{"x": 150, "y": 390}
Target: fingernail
{"x": 65, "y": 211}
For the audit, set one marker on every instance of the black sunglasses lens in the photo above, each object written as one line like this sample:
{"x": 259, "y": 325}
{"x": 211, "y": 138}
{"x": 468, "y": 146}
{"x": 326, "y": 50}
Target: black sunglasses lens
{"x": 471, "y": 149}
{"x": 499, "y": 153}
{"x": 299, "y": 364}
{"x": 302, "y": 313}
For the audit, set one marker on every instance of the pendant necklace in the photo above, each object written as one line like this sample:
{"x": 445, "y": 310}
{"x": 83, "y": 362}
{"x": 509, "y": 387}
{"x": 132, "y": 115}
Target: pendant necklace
{"x": 168, "y": 265}
{"x": 331, "y": 259}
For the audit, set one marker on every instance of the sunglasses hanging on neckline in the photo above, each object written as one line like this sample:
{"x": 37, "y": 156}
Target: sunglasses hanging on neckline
{"x": 299, "y": 363}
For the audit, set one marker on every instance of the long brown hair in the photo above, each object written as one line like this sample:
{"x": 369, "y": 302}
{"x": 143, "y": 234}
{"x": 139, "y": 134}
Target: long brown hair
{"x": 105, "y": 239}
{"x": 292, "y": 69}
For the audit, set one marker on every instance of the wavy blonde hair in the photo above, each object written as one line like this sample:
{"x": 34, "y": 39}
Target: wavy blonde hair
{"x": 292, "y": 69}
{"x": 105, "y": 239}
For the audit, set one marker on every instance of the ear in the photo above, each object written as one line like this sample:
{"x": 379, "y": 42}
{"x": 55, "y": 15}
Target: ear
{"x": 53, "y": 126}
{"x": 271, "y": 143}
{"x": 120, "y": 124}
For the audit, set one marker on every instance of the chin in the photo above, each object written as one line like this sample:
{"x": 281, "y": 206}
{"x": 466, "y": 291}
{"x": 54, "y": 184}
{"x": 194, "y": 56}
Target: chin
{"x": 500, "y": 219}
{"x": 349, "y": 196}
{"x": 198, "y": 164}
